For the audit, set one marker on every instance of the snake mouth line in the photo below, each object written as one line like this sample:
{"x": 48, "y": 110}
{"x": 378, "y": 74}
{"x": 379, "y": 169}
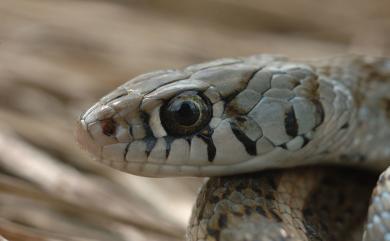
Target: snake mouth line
{"x": 256, "y": 110}
{"x": 150, "y": 169}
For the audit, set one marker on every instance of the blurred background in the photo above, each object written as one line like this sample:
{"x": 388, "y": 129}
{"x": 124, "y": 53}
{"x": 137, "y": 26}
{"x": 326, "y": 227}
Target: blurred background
{"x": 57, "y": 57}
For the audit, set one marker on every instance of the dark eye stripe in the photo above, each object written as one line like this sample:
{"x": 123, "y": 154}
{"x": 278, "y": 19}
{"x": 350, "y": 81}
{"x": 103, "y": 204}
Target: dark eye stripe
{"x": 211, "y": 149}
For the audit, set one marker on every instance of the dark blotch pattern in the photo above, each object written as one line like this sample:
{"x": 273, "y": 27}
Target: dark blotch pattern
{"x": 343, "y": 209}
{"x": 168, "y": 141}
{"x": 250, "y": 146}
{"x": 213, "y": 233}
{"x": 150, "y": 143}
{"x": 245, "y": 197}
{"x": 345, "y": 126}
{"x": 222, "y": 220}
{"x": 275, "y": 216}
{"x": 149, "y": 139}
{"x": 305, "y": 141}
{"x": 291, "y": 123}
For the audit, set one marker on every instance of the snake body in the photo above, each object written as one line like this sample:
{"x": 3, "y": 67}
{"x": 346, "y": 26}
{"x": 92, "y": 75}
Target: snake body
{"x": 310, "y": 203}
{"x": 240, "y": 115}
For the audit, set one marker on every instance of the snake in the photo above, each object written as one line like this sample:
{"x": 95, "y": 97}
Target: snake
{"x": 279, "y": 137}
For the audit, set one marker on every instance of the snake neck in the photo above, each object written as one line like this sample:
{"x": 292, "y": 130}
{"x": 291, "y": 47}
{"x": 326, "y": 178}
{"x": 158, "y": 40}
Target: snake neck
{"x": 355, "y": 93}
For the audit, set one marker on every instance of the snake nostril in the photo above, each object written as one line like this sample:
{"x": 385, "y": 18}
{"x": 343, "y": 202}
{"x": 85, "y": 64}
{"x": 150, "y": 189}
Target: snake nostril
{"x": 108, "y": 127}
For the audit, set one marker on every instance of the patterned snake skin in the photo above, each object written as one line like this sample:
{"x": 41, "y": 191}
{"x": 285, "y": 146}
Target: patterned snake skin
{"x": 241, "y": 115}
{"x": 316, "y": 203}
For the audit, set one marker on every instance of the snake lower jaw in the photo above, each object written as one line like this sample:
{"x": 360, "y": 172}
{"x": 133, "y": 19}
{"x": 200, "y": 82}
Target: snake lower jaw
{"x": 85, "y": 141}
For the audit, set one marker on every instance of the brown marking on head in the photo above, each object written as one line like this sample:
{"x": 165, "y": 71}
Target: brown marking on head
{"x": 233, "y": 110}
{"x": 108, "y": 127}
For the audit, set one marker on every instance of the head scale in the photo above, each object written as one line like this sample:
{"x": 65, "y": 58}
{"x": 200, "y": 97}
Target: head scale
{"x": 221, "y": 117}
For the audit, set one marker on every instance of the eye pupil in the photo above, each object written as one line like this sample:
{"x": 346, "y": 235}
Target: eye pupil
{"x": 187, "y": 113}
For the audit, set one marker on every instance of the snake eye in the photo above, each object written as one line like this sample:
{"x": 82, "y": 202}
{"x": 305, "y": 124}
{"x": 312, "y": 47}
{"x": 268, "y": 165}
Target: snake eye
{"x": 186, "y": 114}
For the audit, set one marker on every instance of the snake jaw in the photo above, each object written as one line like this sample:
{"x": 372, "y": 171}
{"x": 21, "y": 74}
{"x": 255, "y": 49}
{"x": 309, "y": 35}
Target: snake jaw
{"x": 274, "y": 115}
{"x": 85, "y": 140}
{"x": 249, "y": 109}
{"x": 97, "y": 129}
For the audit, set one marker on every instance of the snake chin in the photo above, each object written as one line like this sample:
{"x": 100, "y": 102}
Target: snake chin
{"x": 85, "y": 140}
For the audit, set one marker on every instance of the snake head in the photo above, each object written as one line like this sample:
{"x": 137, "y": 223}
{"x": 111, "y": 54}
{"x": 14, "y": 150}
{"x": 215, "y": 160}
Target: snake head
{"x": 222, "y": 117}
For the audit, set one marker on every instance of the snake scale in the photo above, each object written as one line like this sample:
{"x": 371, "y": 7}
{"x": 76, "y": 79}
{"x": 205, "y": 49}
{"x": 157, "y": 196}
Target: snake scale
{"x": 266, "y": 114}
